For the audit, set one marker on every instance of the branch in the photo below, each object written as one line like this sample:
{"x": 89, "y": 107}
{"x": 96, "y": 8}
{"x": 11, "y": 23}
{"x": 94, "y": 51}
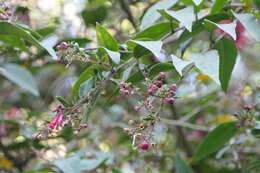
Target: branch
{"x": 128, "y": 12}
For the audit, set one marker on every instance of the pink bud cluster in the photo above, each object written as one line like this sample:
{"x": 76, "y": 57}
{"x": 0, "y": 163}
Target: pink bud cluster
{"x": 126, "y": 88}
{"x": 5, "y": 13}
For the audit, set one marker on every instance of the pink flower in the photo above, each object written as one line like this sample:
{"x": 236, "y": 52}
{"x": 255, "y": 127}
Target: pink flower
{"x": 57, "y": 120}
{"x": 242, "y": 38}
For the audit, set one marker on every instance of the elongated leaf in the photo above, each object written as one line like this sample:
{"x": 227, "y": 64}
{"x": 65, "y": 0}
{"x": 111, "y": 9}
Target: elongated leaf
{"x": 215, "y": 139}
{"x": 227, "y": 28}
{"x": 255, "y": 165}
{"x": 208, "y": 63}
{"x": 21, "y": 77}
{"x": 181, "y": 165}
{"x": 156, "y": 31}
{"x": 86, "y": 87}
{"x": 115, "y": 56}
{"x": 218, "y": 5}
{"x": 180, "y": 64}
{"x": 88, "y": 73}
{"x": 185, "y": 16}
{"x": 251, "y": 23}
{"x": 105, "y": 39}
{"x": 151, "y": 15}
{"x": 197, "y": 2}
{"x": 11, "y": 29}
{"x": 153, "y": 46}
{"x": 227, "y": 60}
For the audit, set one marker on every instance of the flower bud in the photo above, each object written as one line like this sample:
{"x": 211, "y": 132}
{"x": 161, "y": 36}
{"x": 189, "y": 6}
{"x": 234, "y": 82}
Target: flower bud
{"x": 144, "y": 145}
{"x": 170, "y": 100}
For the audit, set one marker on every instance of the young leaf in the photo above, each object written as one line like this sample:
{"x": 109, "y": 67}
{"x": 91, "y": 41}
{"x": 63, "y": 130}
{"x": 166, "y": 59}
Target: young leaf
{"x": 208, "y": 63}
{"x": 181, "y": 165}
{"x": 215, "y": 139}
{"x": 153, "y": 46}
{"x": 21, "y": 77}
{"x": 86, "y": 87}
{"x": 115, "y": 56}
{"x": 218, "y": 5}
{"x": 227, "y": 28}
{"x": 255, "y": 165}
{"x": 185, "y": 16}
{"x": 197, "y": 2}
{"x": 88, "y": 73}
{"x": 227, "y": 60}
{"x": 251, "y": 23}
{"x": 63, "y": 101}
{"x": 156, "y": 31}
{"x": 180, "y": 64}
{"x": 105, "y": 39}
{"x": 151, "y": 15}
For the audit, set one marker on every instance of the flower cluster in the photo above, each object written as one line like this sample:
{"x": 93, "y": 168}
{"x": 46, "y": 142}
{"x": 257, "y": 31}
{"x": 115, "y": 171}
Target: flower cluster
{"x": 246, "y": 117}
{"x": 5, "y": 13}
{"x": 126, "y": 88}
{"x": 142, "y": 134}
{"x": 64, "y": 116}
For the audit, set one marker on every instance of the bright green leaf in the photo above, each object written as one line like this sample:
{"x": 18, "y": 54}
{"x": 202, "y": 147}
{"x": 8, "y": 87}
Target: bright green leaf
{"x": 105, "y": 39}
{"x": 197, "y": 2}
{"x": 153, "y": 46}
{"x": 156, "y": 31}
{"x": 218, "y": 5}
{"x": 181, "y": 165}
{"x": 227, "y": 60}
{"x": 7, "y": 28}
{"x": 115, "y": 56}
{"x": 227, "y": 28}
{"x": 208, "y": 63}
{"x": 180, "y": 64}
{"x": 21, "y": 77}
{"x": 215, "y": 139}
{"x": 151, "y": 15}
{"x": 255, "y": 165}
{"x": 88, "y": 73}
{"x": 185, "y": 16}
{"x": 86, "y": 87}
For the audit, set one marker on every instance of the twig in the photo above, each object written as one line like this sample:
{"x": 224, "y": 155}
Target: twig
{"x": 128, "y": 12}
{"x": 184, "y": 124}
{"x": 194, "y": 112}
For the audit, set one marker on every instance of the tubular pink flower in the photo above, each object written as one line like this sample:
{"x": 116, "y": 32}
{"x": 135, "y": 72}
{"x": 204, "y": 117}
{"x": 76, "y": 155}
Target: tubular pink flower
{"x": 57, "y": 120}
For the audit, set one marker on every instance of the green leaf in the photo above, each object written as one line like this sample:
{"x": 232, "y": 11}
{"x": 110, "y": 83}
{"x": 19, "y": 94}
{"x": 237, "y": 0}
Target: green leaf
{"x": 88, "y": 73}
{"x": 251, "y": 24}
{"x": 86, "y": 87}
{"x": 40, "y": 171}
{"x": 94, "y": 14}
{"x": 63, "y": 101}
{"x": 180, "y": 64}
{"x": 215, "y": 139}
{"x": 255, "y": 165}
{"x": 127, "y": 72}
{"x": 153, "y": 46}
{"x": 185, "y": 16}
{"x": 105, "y": 39}
{"x": 115, "y": 56}
{"x": 208, "y": 63}
{"x": 181, "y": 165}
{"x": 197, "y": 2}
{"x": 218, "y": 5}
{"x": 77, "y": 163}
{"x": 156, "y": 31}
{"x": 151, "y": 15}
{"x": 11, "y": 29}
{"x": 21, "y": 77}
{"x": 227, "y": 60}
{"x": 227, "y": 28}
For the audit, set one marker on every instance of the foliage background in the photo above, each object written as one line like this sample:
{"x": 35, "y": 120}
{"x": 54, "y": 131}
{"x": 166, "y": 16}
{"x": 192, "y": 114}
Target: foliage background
{"x": 28, "y": 92}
